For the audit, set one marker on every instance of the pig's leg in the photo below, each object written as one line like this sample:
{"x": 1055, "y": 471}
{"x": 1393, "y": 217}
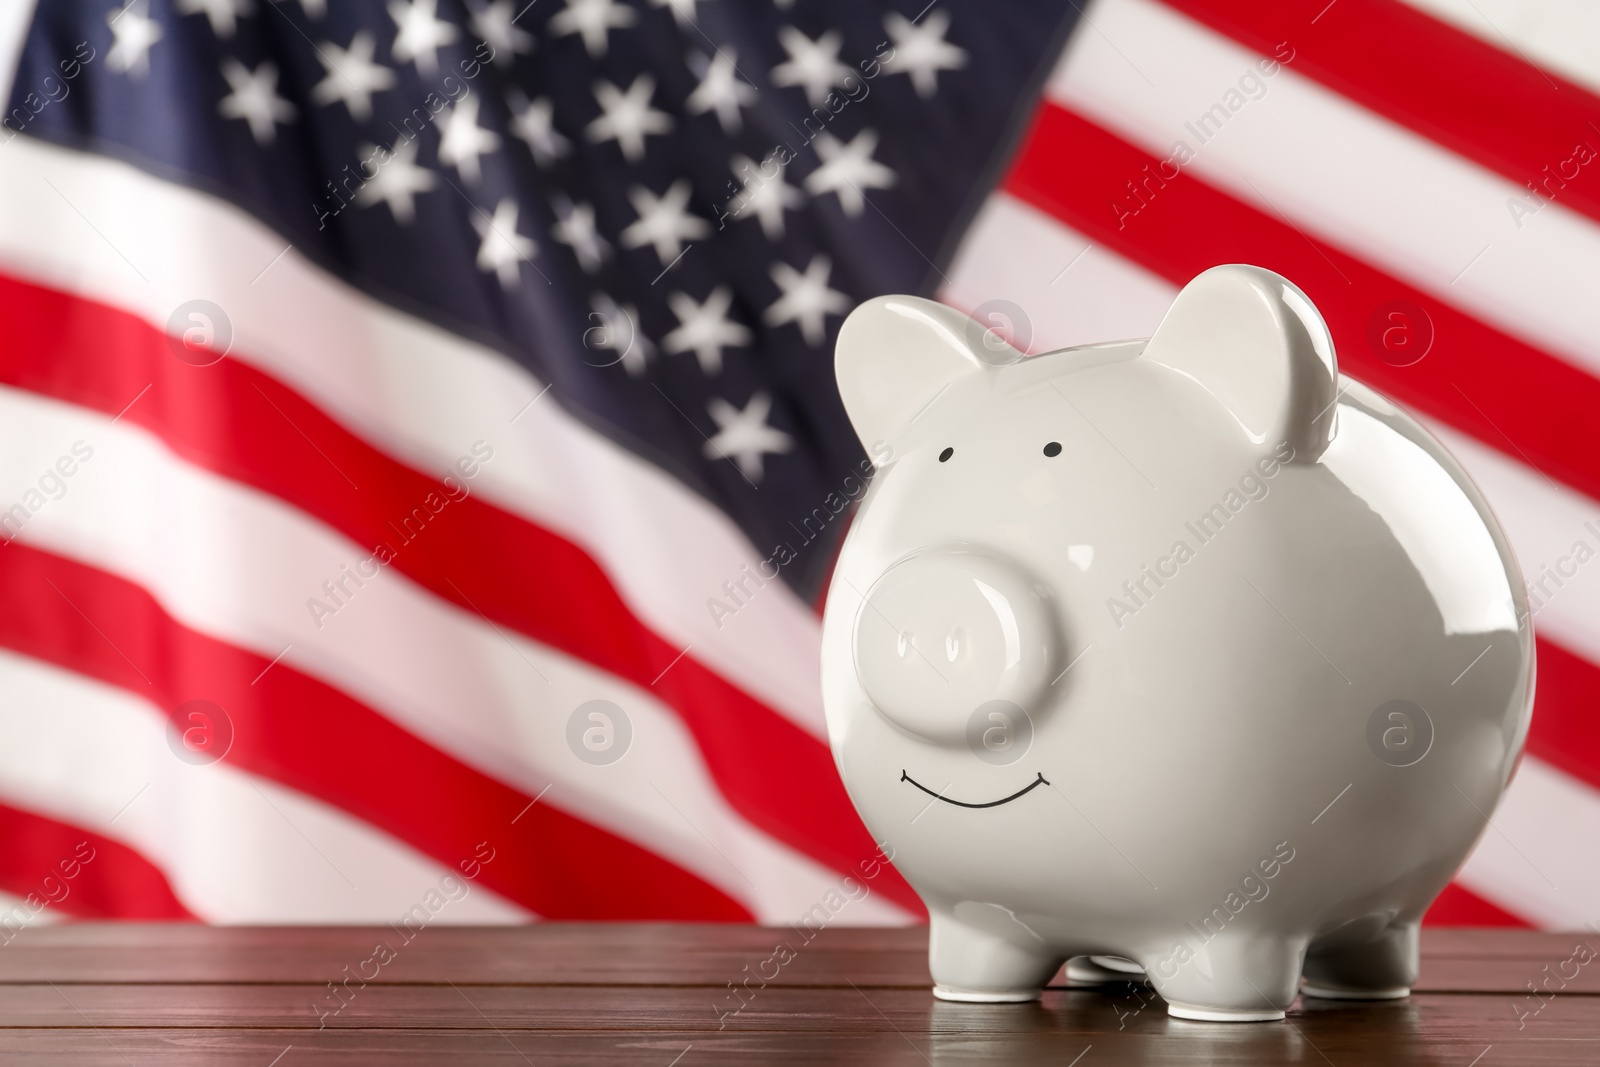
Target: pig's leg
{"x": 1234, "y": 977}
{"x": 986, "y": 966}
{"x": 1384, "y": 969}
{"x": 1102, "y": 970}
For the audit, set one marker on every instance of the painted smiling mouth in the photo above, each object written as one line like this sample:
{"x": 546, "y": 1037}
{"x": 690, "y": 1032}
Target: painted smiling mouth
{"x": 1030, "y": 787}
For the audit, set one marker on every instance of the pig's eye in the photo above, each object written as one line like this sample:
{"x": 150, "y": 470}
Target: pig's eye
{"x": 946, "y": 454}
{"x": 1053, "y": 449}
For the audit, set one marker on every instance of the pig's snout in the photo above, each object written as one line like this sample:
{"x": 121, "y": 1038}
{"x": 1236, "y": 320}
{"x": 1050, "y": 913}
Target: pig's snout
{"x": 946, "y": 630}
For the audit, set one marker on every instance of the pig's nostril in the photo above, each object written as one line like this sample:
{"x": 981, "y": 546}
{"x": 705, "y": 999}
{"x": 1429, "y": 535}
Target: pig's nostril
{"x": 989, "y": 632}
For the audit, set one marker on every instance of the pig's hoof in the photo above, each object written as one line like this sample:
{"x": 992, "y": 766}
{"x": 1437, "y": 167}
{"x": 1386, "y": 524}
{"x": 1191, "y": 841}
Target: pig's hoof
{"x": 1329, "y": 992}
{"x": 1102, "y": 970}
{"x": 987, "y": 965}
{"x": 983, "y": 996}
{"x": 1222, "y": 1015}
{"x": 1381, "y": 969}
{"x": 1233, "y": 978}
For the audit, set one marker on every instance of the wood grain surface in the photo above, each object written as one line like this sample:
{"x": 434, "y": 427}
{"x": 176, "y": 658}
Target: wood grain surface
{"x": 661, "y": 995}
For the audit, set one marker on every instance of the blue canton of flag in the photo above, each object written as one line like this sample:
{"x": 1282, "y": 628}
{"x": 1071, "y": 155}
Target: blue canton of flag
{"x": 662, "y": 210}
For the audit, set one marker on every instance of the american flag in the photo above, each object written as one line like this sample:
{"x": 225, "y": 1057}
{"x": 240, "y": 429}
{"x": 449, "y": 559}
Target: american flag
{"x": 421, "y": 455}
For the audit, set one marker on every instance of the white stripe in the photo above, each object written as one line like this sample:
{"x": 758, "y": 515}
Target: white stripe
{"x": 242, "y": 566}
{"x": 1071, "y": 291}
{"x": 234, "y": 847}
{"x": 1562, "y": 37}
{"x": 1555, "y": 532}
{"x": 419, "y": 393}
{"x": 18, "y": 913}
{"x": 1336, "y": 170}
{"x": 1537, "y": 859}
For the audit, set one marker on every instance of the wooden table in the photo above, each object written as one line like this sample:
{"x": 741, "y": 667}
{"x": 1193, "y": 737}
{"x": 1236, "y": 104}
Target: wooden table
{"x": 660, "y": 995}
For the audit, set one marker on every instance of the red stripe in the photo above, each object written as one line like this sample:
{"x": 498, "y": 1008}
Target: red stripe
{"x": 1462, "y": 907}
{"x": 1476, "y": 99}
{"x": 244, "y": 425}
{"x": 311, "y": 737}
{"x": 62, "y": 869}
{"x": 1566, "y": 713}
{"x": 1537, "y": 409}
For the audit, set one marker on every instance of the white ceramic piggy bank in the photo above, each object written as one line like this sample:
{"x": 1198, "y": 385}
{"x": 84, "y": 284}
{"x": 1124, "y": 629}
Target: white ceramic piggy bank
{"x": 1186, "y": 652}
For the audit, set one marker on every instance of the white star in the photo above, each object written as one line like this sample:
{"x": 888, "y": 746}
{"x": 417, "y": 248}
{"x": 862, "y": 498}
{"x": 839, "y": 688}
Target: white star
{"x": 495, "y": 25}
{"x": 744, "y": 436}
{"x": 396, "y": 182}
{"x": 616, "y": 327}
{"x": 720, "y": 89}
{"x": 806, "y": 299}
{"x": 463, "y": 140}
{"x": 220, "y": 13}
{"x": 419, "y": 34}
{"x": 352, "y": 76}
{"x": 847, "y": 169}
{"x": 813, "y": 64}
{"x": 532, "y": 121}
{"x": 766, "y": 192}
{"x": 503, "y": 248}
{"x": 133, "y": 35}
{"x": 575, "y": 228}
{"x": 705, "y": 328}
{"x": 314, "y": 9}
{"x": 591, "y": 19}
{"x": 627, "y": 116}
{"x": 255, "y": 99}
{"x": 922, "y": 51}
{"x": 664, "y": 222}
{"x": 682, "y": 10}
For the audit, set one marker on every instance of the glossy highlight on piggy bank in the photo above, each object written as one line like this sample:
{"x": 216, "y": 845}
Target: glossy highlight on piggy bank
{"x": 1186, "y": 656}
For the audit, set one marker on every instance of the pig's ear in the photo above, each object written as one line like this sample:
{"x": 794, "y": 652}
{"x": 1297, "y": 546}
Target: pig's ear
{"x": 1255, "y": 341}
{"x": 897, "y": 353}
